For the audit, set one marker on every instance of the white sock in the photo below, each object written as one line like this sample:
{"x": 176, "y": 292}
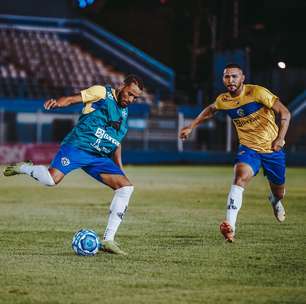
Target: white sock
{"x": 40, "y": 173}
{"x": 234, "y": 202}
{"x": 273, "y": 199}
{"x": 117, "y": 210}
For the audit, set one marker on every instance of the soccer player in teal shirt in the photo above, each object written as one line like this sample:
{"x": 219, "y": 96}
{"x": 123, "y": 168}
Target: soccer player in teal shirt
{"x": 94, "y": 145}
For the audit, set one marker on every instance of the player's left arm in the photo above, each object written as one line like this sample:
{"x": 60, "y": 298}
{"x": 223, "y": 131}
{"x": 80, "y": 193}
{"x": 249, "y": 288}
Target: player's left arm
{"x": 117, "y": 157}
{"x": 280, "y": 109}
{"x": 61, "y": 102}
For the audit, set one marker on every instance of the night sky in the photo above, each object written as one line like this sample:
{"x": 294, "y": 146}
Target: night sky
{"x": 273, "y": 30}
{"x": 185, "y": 35}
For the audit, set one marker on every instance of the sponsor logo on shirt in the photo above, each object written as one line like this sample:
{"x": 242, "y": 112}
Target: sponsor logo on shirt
{"x": 240, "y": 112}
{"x": 241, "y": 123}
{"x": 101, "y": 134}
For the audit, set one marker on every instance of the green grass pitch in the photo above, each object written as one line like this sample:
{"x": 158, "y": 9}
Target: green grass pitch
{"x": 171, "y": 232}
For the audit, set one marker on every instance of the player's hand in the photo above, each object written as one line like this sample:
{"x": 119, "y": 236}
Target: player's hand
{"x": 278, "y": 144}
{"x": 51, "y": 104}
{"x": 185, "y": 132}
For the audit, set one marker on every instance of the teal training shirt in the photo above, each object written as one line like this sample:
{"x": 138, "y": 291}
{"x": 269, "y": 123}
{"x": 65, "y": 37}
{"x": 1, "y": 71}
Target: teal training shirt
{"x": 102, "y": 130}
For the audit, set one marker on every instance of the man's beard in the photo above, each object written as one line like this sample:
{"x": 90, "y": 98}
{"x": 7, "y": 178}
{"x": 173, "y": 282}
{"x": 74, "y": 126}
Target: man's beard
{"x": 119, "y": 98}
{"x": 237, "y": 87}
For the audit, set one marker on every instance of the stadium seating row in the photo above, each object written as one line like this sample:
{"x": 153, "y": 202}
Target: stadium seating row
{"x": 42, "y": 64}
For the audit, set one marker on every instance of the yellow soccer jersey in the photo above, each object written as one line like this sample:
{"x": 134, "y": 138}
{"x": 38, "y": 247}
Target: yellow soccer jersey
{"x": 91, "y": 95}
{"x": 252, "y": 116}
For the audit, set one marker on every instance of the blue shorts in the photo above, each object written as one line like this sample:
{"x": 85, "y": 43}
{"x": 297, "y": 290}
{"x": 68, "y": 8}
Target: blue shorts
{"x": 69, "y": 158}
{"x": 273, "y": 164}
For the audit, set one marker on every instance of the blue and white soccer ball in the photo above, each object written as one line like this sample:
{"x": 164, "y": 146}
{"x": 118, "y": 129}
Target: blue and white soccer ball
{"x": 86, "y": 242}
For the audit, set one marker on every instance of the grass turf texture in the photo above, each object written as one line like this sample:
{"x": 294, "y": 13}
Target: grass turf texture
{"x": 176, "y": 253}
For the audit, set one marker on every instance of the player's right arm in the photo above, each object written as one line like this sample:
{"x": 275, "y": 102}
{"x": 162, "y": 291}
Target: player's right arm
{"x": 61, "y": 102}
{"x": 206, "y": 114}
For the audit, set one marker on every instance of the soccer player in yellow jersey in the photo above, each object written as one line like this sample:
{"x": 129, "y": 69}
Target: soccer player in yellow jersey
{"x": 252, "y": 109}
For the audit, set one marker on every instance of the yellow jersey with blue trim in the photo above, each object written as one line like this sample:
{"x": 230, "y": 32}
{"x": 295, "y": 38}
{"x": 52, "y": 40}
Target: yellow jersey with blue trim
{"x": 252, "y": 115}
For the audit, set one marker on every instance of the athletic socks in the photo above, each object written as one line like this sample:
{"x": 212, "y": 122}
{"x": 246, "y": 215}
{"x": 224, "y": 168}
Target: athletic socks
{"x": 118, "y": 208}
{"x": 234, "y": 202}
{"x": 273, "y": 199}
{"x": 40, "y": 173}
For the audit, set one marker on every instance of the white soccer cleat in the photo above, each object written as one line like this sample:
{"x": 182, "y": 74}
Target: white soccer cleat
{"x": 278, "y": 208}
{"x": 111, "y": 247}
{"x": 14, "y": 169}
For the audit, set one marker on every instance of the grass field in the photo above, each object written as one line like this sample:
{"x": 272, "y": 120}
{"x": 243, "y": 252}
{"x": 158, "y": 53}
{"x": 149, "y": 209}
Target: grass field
{"x": 176, "y": 253}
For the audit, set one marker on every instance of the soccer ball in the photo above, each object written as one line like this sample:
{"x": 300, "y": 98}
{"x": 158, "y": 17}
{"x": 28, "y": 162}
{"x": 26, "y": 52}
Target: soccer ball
{"x": 86, "y": 242}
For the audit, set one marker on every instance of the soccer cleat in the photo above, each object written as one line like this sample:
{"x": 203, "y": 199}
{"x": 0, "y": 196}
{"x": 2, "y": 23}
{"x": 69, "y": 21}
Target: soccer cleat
{"x": 111, "y": 247}
{"x": 227, "y": 231}
{"x": 278, "y": 208}
{"x": 14, "y": 169}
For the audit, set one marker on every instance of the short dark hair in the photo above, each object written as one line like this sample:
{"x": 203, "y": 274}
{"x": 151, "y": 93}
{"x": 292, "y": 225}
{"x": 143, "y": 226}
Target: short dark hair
{"x": 134, "y": 79}
{"x": 233, "y": 66}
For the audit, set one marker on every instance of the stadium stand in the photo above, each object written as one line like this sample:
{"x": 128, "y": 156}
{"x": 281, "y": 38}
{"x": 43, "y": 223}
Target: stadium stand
{"x": 41, "y": 64}
{"x": 49, "y": 57}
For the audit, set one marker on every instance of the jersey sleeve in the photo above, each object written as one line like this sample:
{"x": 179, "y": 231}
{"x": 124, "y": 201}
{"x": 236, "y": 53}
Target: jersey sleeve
{"x": 265, "y": 97}
{"x": 93, "y": 93}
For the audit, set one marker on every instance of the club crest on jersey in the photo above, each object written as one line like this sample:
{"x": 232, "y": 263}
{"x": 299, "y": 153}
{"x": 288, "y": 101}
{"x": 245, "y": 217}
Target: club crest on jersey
{"x": 110, "y": 95}
{"x": 65, "y": 161}
{"x": 124, "y": 113}
{"x": 240, "y": 112}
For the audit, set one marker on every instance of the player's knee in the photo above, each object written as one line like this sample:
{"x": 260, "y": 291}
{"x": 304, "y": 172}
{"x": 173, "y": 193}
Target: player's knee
{"x": 124, "y": 183}
{"x": 50, "y": 181}
{"x": 56, "y": 181}
{"x": 53, "y": 181}
{"x": 241, "y": 180}
{"x": 55, "y": 178}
